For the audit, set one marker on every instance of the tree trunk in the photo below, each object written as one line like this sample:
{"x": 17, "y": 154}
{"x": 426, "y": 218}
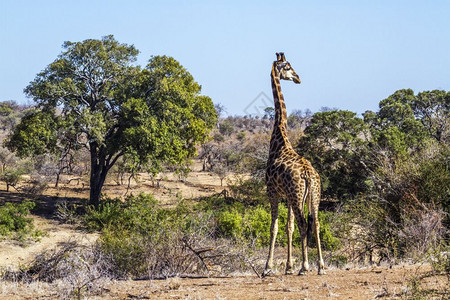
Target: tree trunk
{"x": 57, "y": 179}
{"x": 98, "y": 176}
{"x": 101, "y": 163}
{"x": 96, "y": 184}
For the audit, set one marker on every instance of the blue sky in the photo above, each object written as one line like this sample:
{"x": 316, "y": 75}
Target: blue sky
{"x": 349, "y": 54}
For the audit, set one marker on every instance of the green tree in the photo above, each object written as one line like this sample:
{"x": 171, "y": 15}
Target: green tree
{"x": 395, "y": 127}
{"x": 7, "y": 108}
{"x": 432, "y": 108}
{"x": 336, "y": 142}
{"x": 11, "y": 177}
{"x": 226, "y": 127}
{"x": 10, "y": 113}
{"x": 296, "y": 119}
{"x": 99, "y": 100}
{"x": 389, "y": 169}
{"x": 269, "y": 113}
{"x": 35, "y": 134}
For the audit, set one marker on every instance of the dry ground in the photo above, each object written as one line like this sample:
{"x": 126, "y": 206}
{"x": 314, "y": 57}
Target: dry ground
{"x": 351, "y": 283}
{"x": 358, "y": 283}
{"x": 338, "y": 284}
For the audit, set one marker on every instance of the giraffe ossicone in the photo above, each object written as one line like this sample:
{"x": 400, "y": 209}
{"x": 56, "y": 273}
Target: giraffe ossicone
{"x": 290, "y": 176}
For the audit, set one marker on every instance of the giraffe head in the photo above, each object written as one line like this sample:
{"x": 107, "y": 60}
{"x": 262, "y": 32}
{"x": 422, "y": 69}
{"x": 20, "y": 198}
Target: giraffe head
{"x": 284, "y": 68}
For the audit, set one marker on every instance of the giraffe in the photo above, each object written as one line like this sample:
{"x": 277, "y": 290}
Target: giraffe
{"x": 290, "y": 176}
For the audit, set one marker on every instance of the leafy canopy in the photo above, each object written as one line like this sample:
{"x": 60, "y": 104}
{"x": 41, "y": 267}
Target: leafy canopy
{"x": 350, "y": 151}
{"x": 93, "y": 96}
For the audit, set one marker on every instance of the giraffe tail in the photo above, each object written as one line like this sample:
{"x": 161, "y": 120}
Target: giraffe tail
{"x": 310, "y": 226}
{"x": 310, "y": 219}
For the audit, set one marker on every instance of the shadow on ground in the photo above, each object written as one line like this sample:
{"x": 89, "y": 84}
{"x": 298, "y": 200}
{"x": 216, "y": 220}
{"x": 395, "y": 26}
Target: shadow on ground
{"x": 45, "y": 205}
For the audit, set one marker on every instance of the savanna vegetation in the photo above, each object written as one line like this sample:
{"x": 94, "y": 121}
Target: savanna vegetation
{"x": 97, "y": 117}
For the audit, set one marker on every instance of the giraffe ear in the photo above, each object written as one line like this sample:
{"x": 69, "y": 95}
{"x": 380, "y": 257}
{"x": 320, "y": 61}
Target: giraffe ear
{"x": 282, "y": 56}
{"x": 278, "y": 56}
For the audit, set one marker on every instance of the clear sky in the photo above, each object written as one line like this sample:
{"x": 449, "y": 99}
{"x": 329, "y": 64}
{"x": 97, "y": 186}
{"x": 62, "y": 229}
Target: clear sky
{"x": 349, "y": 54}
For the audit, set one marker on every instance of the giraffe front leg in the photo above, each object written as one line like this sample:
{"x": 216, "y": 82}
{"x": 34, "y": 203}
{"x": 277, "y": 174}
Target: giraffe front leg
{"x": 273, "y": 237}
{"x": 289, "y": 232}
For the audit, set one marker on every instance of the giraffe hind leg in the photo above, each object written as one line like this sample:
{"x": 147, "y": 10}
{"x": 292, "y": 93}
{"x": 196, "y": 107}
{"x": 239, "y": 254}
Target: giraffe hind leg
{"x": 314, "y": 206}
{"x": 302, "y": 226}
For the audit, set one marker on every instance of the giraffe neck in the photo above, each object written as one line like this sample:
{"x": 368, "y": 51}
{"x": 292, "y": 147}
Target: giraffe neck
{"x": 279, "y": 135}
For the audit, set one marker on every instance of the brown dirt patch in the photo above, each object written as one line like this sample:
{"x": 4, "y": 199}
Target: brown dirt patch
{"x": 367, "y": 283}
{"x": 13, "y": 254}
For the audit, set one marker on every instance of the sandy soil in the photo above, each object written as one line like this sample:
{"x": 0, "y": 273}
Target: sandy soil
{"x": 171, "y": 186}
{"x": 368, "y": 283}
{"x": 13, "y": 254}
{"x": 338, "y": 284}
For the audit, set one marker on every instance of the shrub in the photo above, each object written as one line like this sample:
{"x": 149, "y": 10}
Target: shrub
{"x": 67, "y": 213}
{"x": 230, "y": 223}
{"x": 250, "y": 191}
{"x": 14, "y": 222}
{"x": 108, "y": 212}
{"x": 258, "y": 221}
{"x": 226, "y": 127}
{"x": 439, "y": 257}
{"x": 145, "y": 239}
{"x": 73, "y": 270}
{"x": 11, "y": 177}
{"x": 328, "y": 238}
{"x": 253, "y": 224}
{"x": 37, "y": 185}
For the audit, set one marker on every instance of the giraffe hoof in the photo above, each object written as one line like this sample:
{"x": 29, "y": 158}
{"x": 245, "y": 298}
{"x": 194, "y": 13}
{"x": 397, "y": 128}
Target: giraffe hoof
{"x": 321, "y": 272}
{"x": 302, "y": 272}
{"x": 267, "y": 272}
{"x": 289, "y": 271}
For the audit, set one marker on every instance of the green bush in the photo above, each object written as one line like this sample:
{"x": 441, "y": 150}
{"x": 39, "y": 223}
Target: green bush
{"x": 439, "y": 257}
{"x": 15, "y": 223}
{"x": 142, "y": 238}
{"x": 257, "y": 222}
{"x": 434, "y": 182}
{"x": 11, "y": 177}
{"x": 327, "y": 237}
{"x": 230, "y": 223}
{"x": 253, "y": 223}
{"x": 238, "y": 221}
{"x": 128, "y": 229}
{"x": 108, "y": 212}
{"x": 248, "y": 191}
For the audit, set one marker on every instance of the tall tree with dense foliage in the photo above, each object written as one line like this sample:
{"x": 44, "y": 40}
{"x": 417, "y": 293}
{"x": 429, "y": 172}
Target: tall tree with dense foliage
{"x": 390, "y": 169}
{"x": 335, "y": 141}
{"x": 98, "y": 99}
{"x": 432, "y": 108}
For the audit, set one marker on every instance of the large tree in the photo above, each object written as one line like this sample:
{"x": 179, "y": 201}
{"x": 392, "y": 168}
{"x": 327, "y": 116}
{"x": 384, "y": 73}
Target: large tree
{"x": 335, "y": 142}
{"x": 98, "y": 99}
{"x": 354, "y": 155}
